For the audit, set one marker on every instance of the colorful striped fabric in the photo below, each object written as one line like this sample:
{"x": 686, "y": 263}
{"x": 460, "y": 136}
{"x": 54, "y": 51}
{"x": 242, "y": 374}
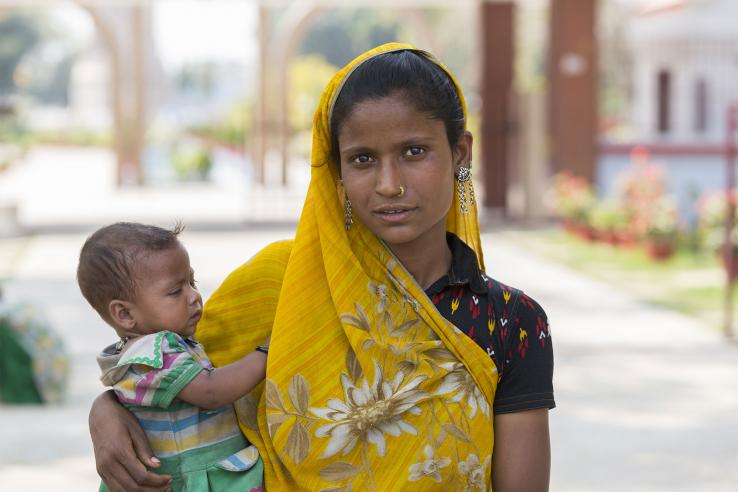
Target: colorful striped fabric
{"x": 147, "y": 378}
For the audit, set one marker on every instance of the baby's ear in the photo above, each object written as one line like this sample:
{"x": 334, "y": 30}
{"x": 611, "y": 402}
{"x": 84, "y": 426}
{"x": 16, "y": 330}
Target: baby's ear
{"x": 121, "y": 314}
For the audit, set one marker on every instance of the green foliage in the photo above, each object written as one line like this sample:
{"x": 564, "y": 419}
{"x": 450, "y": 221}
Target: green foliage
{"x": 691, "y": 283}
{"x": 609, "y": 216}
{"x": 11, "y": 129}
{"x": 308, "y": 76}
{"x": 345, "y": 34}
{"x": 663, "y": 222}
{"x": 192, "y": 162}
{"x": 73, "y": 136}
{"x": 19, "y": 34}
{"x": 571, "y": 197}
{"x": 232, "y": 130}
{"x": 198, "y": 76}
{"x": 55, "y": 88}
{"x": 712, "y": 210}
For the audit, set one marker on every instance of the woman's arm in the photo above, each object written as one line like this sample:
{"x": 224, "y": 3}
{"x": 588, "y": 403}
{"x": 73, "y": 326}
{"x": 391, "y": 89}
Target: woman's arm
{"x": 522, "y": 453}
{"x": 122, "y": 452}
{"x": 224, "y": 385}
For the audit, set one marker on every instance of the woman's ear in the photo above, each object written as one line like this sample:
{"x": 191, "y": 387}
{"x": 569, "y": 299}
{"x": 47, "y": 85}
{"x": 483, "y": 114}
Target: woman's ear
{"x": 121, "y": 312}
{"x": 463, "y": 151}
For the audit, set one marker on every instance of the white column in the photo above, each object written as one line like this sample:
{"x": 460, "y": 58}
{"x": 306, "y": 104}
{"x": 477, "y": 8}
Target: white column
{"x": 644, "y": 94}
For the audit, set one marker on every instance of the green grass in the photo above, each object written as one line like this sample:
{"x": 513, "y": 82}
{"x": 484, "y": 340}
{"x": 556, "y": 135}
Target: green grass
{"x": 691, "y": 282}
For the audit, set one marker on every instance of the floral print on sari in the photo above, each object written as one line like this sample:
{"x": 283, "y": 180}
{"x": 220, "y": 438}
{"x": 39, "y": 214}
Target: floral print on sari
{"x": 414, "y": 388}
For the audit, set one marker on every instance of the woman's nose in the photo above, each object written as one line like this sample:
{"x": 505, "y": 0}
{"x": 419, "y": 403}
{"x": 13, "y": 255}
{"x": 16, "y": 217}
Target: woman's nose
{"x": 388, "y": 178}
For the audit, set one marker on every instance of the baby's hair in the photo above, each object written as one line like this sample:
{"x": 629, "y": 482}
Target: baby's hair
{"x": 106, "y": 262}
{"x": 409, "y": 73}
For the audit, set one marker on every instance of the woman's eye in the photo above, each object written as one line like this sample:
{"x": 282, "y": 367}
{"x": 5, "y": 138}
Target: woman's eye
{"x": 361, "y": 159}
{"x": 413, "y": 151}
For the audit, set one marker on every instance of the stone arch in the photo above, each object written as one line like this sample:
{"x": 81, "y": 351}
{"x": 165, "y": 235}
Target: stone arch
{"x": 124, "y": 30}
{"x": 111, "y": 45}
{"x": 292, "y": 28}
{"x": 127, "y": 132}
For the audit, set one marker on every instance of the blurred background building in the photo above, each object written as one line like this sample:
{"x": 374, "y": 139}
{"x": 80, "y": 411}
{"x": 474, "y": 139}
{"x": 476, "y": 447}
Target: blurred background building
{"x": 607, "y": 115}
{"x": 184, "y": 89}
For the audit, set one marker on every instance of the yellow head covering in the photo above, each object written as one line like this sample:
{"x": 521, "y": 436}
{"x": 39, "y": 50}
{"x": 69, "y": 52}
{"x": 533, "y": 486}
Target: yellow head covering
{"x": 368, "y": 385}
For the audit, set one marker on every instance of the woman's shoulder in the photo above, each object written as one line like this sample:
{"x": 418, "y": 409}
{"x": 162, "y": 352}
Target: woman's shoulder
{"x": 269, "y": 262}
{"x": 248, "y": 297}
{"x": 506, "y": 296}
{"x": 277, "y": 252}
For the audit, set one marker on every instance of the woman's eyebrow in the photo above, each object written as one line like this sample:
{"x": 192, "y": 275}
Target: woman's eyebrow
{"x": 419, "y": 139}
{"x": 356, "y": 149}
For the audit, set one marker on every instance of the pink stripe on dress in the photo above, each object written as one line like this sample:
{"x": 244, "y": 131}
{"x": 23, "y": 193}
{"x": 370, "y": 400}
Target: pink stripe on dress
{"x": 144, "y": 386}
{"x": 169, "y": 360}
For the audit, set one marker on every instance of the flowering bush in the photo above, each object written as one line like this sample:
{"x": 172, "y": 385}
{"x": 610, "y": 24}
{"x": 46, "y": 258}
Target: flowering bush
{"x": 571, "y": 198}
{"x": 609, "y": 216}
{"x": 711, "y": 209}
{"x": 192, "y": 161}
{"x": 639, "y": 211}
{"x": 663, "y": 221}
{"x": 641, "y": 192}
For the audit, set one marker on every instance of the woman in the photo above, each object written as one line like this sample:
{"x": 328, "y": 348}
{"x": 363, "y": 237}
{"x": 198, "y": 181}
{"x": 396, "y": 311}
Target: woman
{"x": 395, "y": 363}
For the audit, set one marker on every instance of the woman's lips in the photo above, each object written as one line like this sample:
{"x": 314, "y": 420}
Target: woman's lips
{"x": 393, "y": 215}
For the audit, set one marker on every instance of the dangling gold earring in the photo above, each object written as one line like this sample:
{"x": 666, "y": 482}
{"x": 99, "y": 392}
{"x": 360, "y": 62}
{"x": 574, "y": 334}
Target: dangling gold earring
{"x": 347, "y": 210}
{"x": 471, "y": 186}
{"x": 348, "y": 217}
{"x": 463, "y": 181}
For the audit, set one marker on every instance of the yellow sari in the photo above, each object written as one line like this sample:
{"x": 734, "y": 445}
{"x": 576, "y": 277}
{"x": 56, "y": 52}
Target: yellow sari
{"x": 368, "y": 386}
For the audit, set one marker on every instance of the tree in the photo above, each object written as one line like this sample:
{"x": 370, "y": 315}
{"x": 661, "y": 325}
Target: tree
{"x": 342, "y": 35}
{"x": 19, "y": 35}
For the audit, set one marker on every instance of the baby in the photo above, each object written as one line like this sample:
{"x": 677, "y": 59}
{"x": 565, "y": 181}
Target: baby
{"x": 138, "y": 278}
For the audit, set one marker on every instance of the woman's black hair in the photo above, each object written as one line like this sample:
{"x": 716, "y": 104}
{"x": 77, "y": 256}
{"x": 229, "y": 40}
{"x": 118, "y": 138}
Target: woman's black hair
{"x": 425, "y": 85}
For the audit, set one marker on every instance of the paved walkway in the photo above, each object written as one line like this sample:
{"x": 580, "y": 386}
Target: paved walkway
{"x": 647, "y": 399}
{"x": 63, "y": 188}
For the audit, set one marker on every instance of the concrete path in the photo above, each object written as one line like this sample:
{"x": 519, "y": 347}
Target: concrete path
{"x": 647, "y": 399}
{"x": 63, "y": 188}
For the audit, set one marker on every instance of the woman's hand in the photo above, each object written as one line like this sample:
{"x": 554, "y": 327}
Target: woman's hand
{"x": 522, "y": 454}
{"x": 122, "y": 451}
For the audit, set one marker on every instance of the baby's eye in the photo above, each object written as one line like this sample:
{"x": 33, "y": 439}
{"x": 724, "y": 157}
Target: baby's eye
{"x": 175, "y": 292}
{"x": 414, "y": 151}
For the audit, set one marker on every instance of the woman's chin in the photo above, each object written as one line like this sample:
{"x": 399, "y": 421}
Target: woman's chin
{"x": 398, "y": 237}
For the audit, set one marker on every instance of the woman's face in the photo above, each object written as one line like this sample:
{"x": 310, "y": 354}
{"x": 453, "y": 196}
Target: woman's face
{"x": 386, "y": 143}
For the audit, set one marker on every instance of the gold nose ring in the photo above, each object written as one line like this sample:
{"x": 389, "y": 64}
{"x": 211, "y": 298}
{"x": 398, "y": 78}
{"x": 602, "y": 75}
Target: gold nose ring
{"x": 402, "y": 192}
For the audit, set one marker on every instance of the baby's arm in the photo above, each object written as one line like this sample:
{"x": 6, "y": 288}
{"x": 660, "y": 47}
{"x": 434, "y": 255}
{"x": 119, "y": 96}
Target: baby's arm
{"x": 224, "y": 385}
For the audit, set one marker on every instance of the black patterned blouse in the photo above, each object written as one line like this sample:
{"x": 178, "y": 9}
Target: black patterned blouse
{"x": 510, "y": 326}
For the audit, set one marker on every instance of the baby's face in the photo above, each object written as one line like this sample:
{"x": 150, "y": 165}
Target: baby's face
{"x": 166, "y": 294}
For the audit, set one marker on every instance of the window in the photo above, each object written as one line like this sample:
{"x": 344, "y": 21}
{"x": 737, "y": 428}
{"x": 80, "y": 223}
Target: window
{"x": 664, "y": 102}
{"x": 700, "y": 106}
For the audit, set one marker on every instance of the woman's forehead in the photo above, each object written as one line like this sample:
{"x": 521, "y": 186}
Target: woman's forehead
{"x": 391, "y": 117}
